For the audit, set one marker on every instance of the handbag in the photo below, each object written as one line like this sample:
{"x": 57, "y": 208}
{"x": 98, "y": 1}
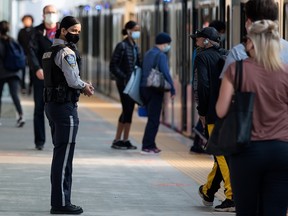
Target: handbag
{"x": 156, "y": 78}
{"x": 133, "y": 86}
{"x": 232, "y": 133}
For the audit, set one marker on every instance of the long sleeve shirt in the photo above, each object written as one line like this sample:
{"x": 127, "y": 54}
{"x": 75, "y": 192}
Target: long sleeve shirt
{"x": 149, "y": 63}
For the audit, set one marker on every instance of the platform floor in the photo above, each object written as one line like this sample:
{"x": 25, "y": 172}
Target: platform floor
{"x": 106, "y": 182}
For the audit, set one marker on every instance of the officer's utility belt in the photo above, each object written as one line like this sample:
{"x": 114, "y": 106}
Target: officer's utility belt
{"x": 61, "y": 95}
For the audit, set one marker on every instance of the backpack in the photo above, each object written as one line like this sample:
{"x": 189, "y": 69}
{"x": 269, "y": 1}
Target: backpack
{"x": 14, "y": 58}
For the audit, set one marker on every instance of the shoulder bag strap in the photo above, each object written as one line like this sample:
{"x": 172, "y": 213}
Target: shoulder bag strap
{"x": 156, "y": 60}
{"x": 238, "y": 76}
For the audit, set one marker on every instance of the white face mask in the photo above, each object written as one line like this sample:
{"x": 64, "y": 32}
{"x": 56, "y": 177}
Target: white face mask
{"x": 167, "y": 48}
{"x": 51, "y": 18}
{"x": 135, "y": 35}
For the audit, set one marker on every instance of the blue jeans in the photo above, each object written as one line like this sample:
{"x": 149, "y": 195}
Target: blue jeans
{"x": 259, "y": 178}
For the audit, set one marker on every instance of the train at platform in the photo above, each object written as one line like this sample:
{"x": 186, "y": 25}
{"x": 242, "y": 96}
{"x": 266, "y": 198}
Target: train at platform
{"x": 101, "y": 31}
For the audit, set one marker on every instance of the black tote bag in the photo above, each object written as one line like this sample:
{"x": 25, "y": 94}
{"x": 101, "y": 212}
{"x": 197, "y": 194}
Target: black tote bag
{"x": 232, "y": 133}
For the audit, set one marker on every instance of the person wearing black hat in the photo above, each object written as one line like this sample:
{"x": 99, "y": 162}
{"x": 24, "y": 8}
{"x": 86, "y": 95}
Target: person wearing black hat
{"x": 62, "y": 87}
{"x": 153, "y": 98}
{"x": 123, "y": 61}
{"x": 41, "y": 39}
{"x": 207, "y": 68}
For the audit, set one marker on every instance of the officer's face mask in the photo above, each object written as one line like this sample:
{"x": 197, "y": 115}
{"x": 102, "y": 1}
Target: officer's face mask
{"x": 74, "y": 38}
{"x": 51, "y": 18}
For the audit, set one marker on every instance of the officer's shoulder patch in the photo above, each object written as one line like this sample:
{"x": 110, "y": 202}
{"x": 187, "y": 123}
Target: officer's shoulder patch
{"x": 70, "y": 59}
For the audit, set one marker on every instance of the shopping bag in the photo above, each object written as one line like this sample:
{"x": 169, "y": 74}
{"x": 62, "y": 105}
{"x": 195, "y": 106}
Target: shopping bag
{"x": 142, "y": 111}
{"x": 232, "y": 134}
{"x": 133, "y": 86}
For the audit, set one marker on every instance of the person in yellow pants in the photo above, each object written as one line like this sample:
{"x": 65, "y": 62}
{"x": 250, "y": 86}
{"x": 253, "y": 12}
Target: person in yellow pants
{"x": 208, "y": 66}
{"x": 219, "y": 173}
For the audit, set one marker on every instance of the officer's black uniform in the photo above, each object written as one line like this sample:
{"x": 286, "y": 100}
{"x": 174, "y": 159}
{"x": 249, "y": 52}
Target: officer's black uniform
{"x": 61, "y": 111}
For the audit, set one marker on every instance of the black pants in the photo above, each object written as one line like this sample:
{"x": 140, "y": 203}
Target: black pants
{"x": 39, "y": 120}
{"x": 153, "y": 100}
{"x": 63, "y": 120}
{"x": 127, "y": 105}
{"x": 259, "y": 178}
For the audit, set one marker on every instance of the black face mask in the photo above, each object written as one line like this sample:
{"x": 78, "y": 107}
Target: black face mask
{"x": 74, "y": 38}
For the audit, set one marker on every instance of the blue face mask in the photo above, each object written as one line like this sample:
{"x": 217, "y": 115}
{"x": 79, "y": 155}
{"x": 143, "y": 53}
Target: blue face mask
{"x": 135, "y": 34}
{"x": 167, "y": 48}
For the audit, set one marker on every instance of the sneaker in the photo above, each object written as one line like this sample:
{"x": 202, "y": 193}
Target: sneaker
{"x": 20, "y": 122}
{"x": 68, "y": 209}
{"x": 129, "y": 145}
{"x": 39, "y": 147}
{"x": 226, "y": 206}
{"x": 207, "y": 201}
{"x": 196, "y": 149}
{"x": 119, "y": 145}
{"x": 153, "y": 151}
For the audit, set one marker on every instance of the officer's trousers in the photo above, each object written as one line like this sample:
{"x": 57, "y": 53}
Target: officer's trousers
{"x": 63, "y": 121}
{"x": 219, "y": 172}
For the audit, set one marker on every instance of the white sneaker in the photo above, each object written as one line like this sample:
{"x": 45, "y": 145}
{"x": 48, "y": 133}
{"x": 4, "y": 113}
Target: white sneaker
{"x": 20, "y": 122}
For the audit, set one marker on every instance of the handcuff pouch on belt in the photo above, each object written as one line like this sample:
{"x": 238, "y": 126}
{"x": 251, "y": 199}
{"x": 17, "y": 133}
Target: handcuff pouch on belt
{"x": 61, "y": 94}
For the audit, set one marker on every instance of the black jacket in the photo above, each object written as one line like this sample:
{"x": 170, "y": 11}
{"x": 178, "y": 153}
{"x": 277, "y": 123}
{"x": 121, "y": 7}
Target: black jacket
{"x": 24, "y": 38}
{"x": 39, "y": 44}
{"x": 208, "y": 66}
{"x": 122, "y": 61}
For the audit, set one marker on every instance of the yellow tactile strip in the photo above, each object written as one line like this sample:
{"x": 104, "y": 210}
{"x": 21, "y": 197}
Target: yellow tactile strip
{"x": 175, "y": 147}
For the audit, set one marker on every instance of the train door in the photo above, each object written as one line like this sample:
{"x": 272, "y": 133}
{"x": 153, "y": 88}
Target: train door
{"x": 83, "y": 43}
{"x": 96, "y": 49}
{"x": 200, "y": 14}
{"x": 107, "y": 28}
{"x": 116, "y": 37}
{"x": 283, "y": 18}
{"x": 235, "y": 22}
{"x": 148, "y": 18}
{"x": 172, "y": 24}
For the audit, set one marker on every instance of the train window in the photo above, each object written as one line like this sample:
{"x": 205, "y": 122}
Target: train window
{"x": 243, "y": 30}
{"x": 107, "y": 33}
{"x": 96, "y": 36}
{"x": 285, "y": 22}
{"x": 146, "y": 18}
{"x": 85, "y": 34}
{"x": 228, "y": 27}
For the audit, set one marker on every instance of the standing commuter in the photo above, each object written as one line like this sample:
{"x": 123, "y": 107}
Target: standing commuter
{"x": 23, "y": 39}
{"x": 256, "y": 10}
{"x": 198, "y": 142}
{"x": 12, "y": 78}
{"x": 208, "y": 66}
{"x": 259, "y": 174}
{"x": 62, "y": 87}
{"x": 124, "y": 59}
{"x": 153, "y": 98}
{"x": 41, "y": 40}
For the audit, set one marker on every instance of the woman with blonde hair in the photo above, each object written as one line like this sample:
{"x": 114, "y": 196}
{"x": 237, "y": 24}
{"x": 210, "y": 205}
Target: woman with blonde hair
{"x": 259, "y": 174}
